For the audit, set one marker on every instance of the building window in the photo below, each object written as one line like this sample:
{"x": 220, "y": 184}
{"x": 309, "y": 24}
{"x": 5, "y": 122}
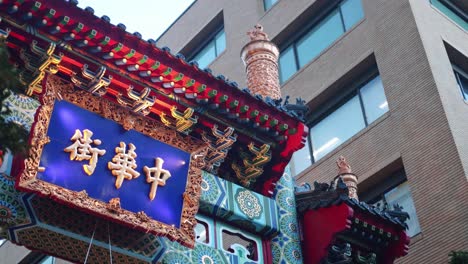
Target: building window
{"x": 360, "y": 108}
{"x": 462, "y": 81}
{"x": 47, "y": 260}
{"x": 301, "y": 159}
{"x": 366, "y": 105}
{"x": 391, "y": 191}
{"x": 451, "y": 10}
{"x": 401, "y": 195}
{"x": 320, "y": 35}
{"x": 267, "y": 4}
{"x": 211, "y": 49}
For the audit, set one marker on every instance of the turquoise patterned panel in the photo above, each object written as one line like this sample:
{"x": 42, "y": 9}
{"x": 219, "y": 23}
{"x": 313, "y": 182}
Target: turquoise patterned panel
{"x": 238, "y": 206}
{"x": 212, "y": 252}
{"x": 222, "y": 198}
{"x": 23, "y": 109}
{"x": 210, "y": 232}
{"x": 12, "y": 209}
{"x": 213, "y": 200}
{"x": 202, "y": 254}
{"x": 240, "y": 253}
{"x": 286, "y": 246}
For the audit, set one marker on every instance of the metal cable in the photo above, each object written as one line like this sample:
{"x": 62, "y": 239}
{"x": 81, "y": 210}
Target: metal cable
{"x": 90, "y": 243}
{"x": 110, "y": 245}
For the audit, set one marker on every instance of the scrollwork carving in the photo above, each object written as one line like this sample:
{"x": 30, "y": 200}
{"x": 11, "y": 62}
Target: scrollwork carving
{"x": 114, "y": 205}
{"x": 182, "y": 122}
{"x": 252, "y": 165}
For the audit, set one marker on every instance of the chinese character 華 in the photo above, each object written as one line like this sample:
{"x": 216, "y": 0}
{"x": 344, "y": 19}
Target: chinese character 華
{"x": 123, "y": 164}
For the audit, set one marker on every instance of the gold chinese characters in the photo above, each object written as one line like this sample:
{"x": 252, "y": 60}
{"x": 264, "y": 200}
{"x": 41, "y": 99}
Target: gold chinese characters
{"x": 123, "y": 165}
{"x": 157, "y": 176}
{"x": 81, "y": 149}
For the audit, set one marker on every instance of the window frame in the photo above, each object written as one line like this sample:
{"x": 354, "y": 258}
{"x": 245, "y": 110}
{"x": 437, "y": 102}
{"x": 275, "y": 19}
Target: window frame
{"x": 457, "y": 72}
{"x": 45, "y": 258}
{"x": 350, "y": 95}
{"x": 292, "y": 42}
{"x": 296, "y": 37}
{"x": 381, "y": 188}
{"x": 339, "y": 101}
{"x": 265, "y": 8}
{"x": 455, "y": 9}
{"x": 211, "y": 38}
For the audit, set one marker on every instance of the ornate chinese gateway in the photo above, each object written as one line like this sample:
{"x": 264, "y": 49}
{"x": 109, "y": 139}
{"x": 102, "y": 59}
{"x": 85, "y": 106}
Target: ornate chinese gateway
{"x": 139, "y": 156}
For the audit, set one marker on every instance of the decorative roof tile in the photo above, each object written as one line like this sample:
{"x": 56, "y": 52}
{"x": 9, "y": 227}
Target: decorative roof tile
{"x": 326, "y": 195}
{"x": 86, "y": 39}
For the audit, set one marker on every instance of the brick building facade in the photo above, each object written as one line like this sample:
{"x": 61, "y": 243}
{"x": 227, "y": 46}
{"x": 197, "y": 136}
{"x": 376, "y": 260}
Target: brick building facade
{"x": 413, "y": 150}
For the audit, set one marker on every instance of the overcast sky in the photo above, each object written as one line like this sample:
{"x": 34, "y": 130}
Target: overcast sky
{"x": 149, "y": 17}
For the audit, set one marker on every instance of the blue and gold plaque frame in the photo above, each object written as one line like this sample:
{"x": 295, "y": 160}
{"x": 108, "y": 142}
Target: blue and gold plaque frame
{"x": 52, "y": 176}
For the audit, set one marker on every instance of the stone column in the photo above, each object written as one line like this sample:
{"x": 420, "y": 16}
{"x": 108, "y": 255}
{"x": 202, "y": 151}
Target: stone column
{"x": 260, "y": 57}
{"x": 349, "y": 178}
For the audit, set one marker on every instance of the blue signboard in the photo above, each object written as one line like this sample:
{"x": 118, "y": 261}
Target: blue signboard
{"x": 89, "y": 152}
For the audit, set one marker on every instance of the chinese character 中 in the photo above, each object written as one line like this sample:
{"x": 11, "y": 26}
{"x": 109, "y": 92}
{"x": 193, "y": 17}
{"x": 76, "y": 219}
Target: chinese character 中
{"x": 157, "y": 176}
{"x": 123, "y": 164}
{"x": 81, "y": 149}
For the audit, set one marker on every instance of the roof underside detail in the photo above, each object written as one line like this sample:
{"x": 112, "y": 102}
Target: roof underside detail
{"x": 57, "y": 37}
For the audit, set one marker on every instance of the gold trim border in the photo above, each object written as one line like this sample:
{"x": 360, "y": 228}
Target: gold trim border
{"x": 57, "y": 89}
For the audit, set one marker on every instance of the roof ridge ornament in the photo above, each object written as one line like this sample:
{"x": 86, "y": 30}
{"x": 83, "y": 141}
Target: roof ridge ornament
{"x": 260, "y": 57}
{"x": 257, "y": 33}
{"x": 348, "y": 177}
{"x": 343, "y": 166}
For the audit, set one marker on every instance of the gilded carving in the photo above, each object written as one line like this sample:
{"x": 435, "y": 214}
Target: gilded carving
{"x": 138, "y": 102}
{"x": 93, "y": 82}
{"x": 128, "y": 122}
{"x": 252, "y": 165}
{"x": 143, "y": 216}
{"x": 81, "y": 149}
{"x": 156, "y": 176}
{"x": 114, "y": 205}
{"x": 123, "y": 164}
{"x": 82, "y": 194}
{"x": 182, "y": 122}
{"x": 28, "y": 181}
{"x": 219, "y": 145}
{"x": 37, "y": 63}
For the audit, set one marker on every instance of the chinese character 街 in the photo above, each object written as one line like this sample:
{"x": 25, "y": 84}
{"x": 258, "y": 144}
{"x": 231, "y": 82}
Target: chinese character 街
{"x": 81, "y": 149}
